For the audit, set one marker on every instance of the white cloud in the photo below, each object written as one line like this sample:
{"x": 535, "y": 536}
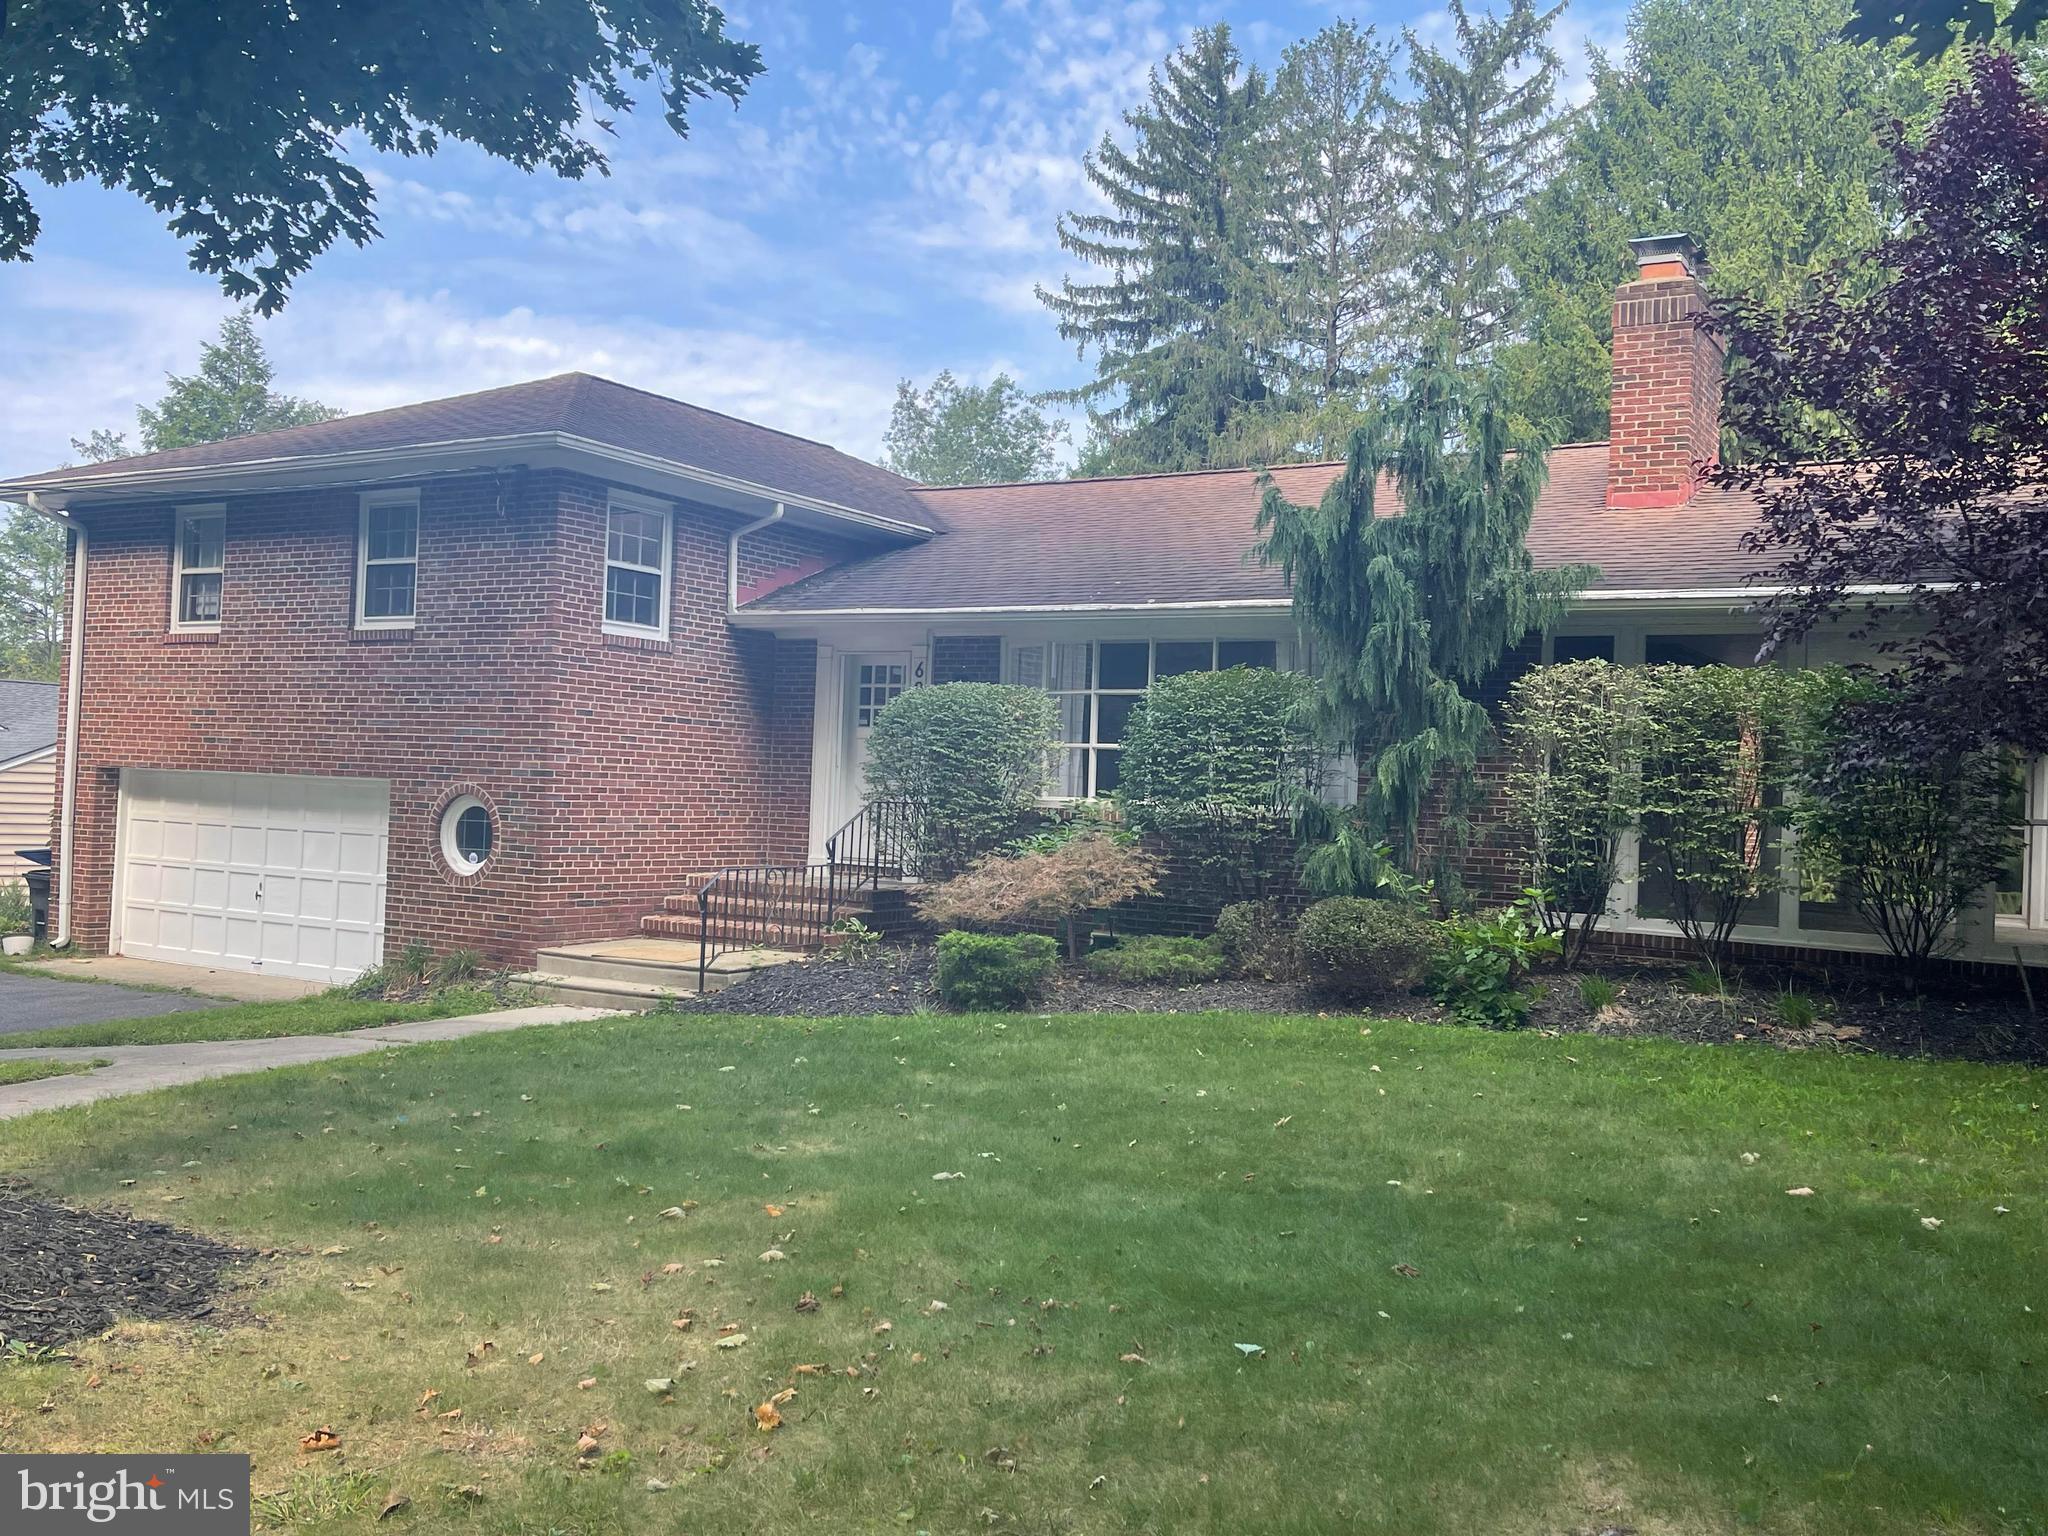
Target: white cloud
{"x": 367, "y": 349}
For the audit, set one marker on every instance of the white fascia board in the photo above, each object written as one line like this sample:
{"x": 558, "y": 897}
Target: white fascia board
{"x": 767, "y": 618}
{"x": 532, "y": 449}
{"x": 1670, "y": 599}
{"x": 28, "y": 757}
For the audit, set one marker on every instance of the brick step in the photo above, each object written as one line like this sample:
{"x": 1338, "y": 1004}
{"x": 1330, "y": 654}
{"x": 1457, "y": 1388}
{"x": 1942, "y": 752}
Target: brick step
{"x": 796, "y": 903}
{"x": 768, "y": 935}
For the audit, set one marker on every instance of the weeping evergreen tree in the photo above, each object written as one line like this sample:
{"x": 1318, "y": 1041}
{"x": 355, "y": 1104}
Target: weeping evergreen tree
{"x": 1175, "y": 365}
{"x": 1412, "y": 580}
{"x": 1486, "y": 134}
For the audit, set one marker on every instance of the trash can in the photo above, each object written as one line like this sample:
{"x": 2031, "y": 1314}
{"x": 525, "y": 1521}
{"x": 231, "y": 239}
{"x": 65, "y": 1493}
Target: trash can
{"x": 37, "y": 880}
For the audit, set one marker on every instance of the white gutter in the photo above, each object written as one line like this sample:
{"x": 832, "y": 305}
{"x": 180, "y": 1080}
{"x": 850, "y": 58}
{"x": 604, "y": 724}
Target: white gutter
{"x": 732, "y": 557}
{"x": 1665, "y": 595}
{"x": 74, "y": 698}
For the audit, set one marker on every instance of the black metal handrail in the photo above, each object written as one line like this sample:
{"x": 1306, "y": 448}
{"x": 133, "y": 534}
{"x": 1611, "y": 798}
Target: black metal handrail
{"x": 763, "y": 906}
{"x": 872, "y": 847}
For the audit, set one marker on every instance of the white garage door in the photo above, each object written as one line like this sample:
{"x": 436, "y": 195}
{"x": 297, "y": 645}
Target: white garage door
{"x": 254, "y": 872}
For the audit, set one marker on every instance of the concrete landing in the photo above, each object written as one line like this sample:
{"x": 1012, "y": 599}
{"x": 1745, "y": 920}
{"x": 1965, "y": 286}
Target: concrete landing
{"x": 640, "y": 971}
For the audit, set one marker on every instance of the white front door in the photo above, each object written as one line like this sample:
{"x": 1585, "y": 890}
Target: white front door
{"x": 274, "y": 873}
{"x": 872, "y": 680}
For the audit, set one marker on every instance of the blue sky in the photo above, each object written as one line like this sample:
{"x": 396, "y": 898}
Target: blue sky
{"x": 880, "y": 206}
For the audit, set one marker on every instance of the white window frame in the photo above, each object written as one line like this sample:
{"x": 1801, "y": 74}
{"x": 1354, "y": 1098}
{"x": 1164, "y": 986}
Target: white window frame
{"x": 2032, "y": 918}
{"x": 382, "y": 499}
{"x": 621, "y": 501}
{"x": 179, "y": 570}
{"x": 1095, "y": 693}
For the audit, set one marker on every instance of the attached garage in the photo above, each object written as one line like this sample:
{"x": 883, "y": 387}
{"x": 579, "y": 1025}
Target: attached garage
{"x": 278, "y": 874}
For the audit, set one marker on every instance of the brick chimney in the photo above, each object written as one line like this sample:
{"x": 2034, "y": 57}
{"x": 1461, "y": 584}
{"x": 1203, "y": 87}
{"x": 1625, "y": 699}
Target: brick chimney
{"x": 1666, "y": 412}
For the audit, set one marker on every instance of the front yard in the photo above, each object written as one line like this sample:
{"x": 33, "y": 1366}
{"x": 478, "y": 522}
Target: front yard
{"x": 1207, "y": 1272}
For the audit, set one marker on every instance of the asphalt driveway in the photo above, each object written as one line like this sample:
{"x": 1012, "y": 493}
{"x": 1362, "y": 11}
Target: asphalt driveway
{"x": 36, "y": 1002}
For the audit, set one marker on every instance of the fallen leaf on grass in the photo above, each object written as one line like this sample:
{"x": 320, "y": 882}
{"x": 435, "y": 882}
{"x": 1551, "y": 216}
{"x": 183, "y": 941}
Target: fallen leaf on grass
{"x": 394, "y": 1501}
{"x": 773, "y": 1256}
{"x": 671, "y": 1268}
{"x": 812, "y": 1370}
{"x": 808, "y": 1302}
{"x": 1931, "y": 1223}
{"x": 535, "y": 1358}
{"x": 1407, "y": 1271}
{"x": 941, "y": 1177}
{"x": 1133, "y": 1358}
{"x": 452, "y": 1413}
{"x": 659, "y": 1386}
{"x": 586, "y": 1384}
{"x": 766, "y": 1417}
{"x": 733, "y": 1341}
{"x": 673, "y": 1213}
{"x": 772, "y": 1210}
{"x": 1801, "y": 1190}
{"x": 334, "y": 1251}
{"x": 1251, "y": 1351}
{"x": 322, "y": 1439}
{"x": 427, "y": 1397}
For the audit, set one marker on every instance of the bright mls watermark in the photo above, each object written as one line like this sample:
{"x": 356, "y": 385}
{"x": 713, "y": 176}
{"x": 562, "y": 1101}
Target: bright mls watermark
{"x": 143, "y": 1495}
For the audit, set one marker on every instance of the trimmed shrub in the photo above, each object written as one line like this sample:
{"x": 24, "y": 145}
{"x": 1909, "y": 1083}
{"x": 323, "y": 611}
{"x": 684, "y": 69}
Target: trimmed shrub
{"x": 1178, "y": 962}
{"x": 1256, "y": 939}
{"x": 989, "y": 973}
{"x": 967, "y": 760}
{"x": 1353, "y": 946}
{"x": 1574, "y": 744}
{"x": 1907, "y": 844}
{"x": 1213, "y": 760}
{"x": 1060, "y": 885}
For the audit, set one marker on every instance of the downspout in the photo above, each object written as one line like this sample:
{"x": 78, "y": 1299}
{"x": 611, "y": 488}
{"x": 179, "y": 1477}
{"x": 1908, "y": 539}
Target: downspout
{"x": 732, "y": 556}
{"x": 74, "y": 692}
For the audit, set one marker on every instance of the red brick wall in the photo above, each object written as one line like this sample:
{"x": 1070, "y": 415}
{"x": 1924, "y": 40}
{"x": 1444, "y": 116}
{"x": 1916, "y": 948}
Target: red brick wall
{"x": 1665, "y": 419}
{"x": 967, "y": 658}
{"x": 614, "y": 767}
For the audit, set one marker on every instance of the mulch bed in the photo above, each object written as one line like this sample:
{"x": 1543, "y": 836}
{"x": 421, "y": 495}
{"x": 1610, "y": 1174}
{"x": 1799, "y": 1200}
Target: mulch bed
{"x": 67, "y": 1273}
{"x": 1860, "y": 1010}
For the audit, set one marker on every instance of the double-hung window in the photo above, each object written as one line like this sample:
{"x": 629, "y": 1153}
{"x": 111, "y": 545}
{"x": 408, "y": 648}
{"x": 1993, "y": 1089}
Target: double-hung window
{"x": 1097, "y": 683}
{"x": 388, "y": 560}
{"x": 636, "y": 567}
{"x": 198, "y": 565}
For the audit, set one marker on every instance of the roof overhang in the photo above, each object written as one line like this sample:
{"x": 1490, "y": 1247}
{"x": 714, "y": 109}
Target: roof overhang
{"x": 1598, "y": 600}
{"x": 529, "y": 450}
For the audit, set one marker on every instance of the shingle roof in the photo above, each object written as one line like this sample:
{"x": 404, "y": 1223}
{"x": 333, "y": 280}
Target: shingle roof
{"x": 579, "y": 404}
{"x": 1185, "y": 538}
{"x": 28, "y": 718}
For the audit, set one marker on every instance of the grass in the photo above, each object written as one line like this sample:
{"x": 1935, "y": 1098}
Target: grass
{"x": 1502, "y": 1283}
{"x": 324, "y": 1013}
{"x": 28, "y": 1071}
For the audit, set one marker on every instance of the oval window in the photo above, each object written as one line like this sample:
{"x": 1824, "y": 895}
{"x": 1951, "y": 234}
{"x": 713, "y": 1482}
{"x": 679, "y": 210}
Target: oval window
{"x": 466, "y": 834}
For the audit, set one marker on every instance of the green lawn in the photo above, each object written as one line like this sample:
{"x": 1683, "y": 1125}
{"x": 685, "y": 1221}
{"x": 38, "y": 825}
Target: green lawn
{"x": 19, "y": 1071}
{"x": 1614, "y": 1319}
{"x": 324, "y": 1013}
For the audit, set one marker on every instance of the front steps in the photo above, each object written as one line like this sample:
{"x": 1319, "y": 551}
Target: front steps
{"x": 788, "y": 916}
{"x": 639, "y": 973}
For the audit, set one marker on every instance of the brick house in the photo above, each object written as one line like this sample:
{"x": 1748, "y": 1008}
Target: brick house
{"x": 502, "y": 672}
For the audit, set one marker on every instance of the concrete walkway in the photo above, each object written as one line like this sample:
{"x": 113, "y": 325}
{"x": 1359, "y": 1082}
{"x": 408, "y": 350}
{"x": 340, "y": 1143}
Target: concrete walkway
{"x": 139, "y": 1068}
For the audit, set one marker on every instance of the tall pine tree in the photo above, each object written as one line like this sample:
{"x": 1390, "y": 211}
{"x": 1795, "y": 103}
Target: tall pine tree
{"x": 1408, "y": 614}
{"x": 1325, "y": 290}
{"x": 1486, "y": 129}
{"x": 1175, "y": 361}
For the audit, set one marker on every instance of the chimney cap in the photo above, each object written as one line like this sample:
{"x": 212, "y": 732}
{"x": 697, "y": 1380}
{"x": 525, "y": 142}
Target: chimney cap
{"x": 1666, "y": 250}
